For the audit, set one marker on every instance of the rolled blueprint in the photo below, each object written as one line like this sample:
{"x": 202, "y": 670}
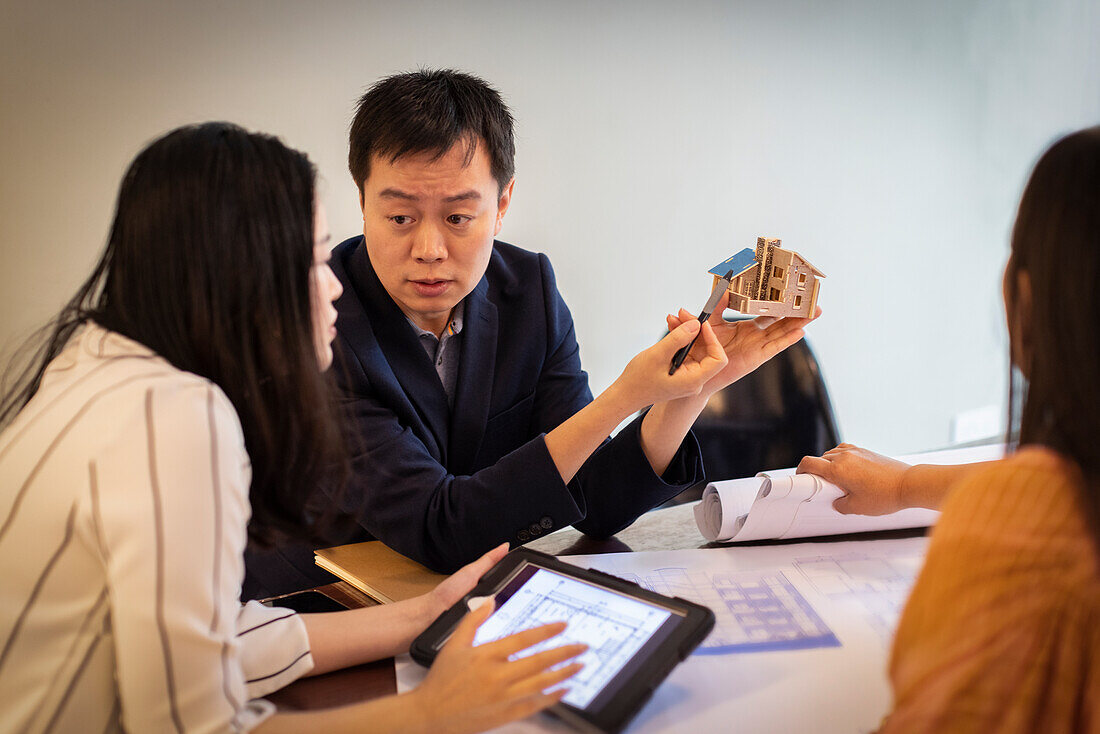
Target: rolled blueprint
{"x": 782, "y": 504}
{"x": 775, "y": 505}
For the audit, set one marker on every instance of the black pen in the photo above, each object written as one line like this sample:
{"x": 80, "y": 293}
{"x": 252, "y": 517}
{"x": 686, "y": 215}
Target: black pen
{"x": 715, "y": 296}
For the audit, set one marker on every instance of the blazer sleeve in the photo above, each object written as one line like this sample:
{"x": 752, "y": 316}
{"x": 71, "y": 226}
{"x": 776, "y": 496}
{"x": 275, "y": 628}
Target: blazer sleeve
{"x": 617, "y": 482}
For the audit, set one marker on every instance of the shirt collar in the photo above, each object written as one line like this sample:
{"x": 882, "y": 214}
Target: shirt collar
{"x": 454, "y": 326}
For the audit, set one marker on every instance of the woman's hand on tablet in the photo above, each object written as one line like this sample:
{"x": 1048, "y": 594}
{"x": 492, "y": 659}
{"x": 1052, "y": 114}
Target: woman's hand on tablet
{"x": 471, "y": 689}
{"x": 457, "y": 585}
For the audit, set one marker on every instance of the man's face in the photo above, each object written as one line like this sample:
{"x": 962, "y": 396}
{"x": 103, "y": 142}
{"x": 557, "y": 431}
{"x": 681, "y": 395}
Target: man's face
{"x": 429, "y": 227}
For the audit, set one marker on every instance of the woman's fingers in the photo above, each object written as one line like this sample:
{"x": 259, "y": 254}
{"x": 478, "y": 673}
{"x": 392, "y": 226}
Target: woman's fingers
{"x": 532, "y": 664}
{"x": 479, "y": 567}
{"x": 815, "y": 465}
{"x": 512, "y": 644}
{"x": 466, "y": 630}
{"x": 547, "y": 679}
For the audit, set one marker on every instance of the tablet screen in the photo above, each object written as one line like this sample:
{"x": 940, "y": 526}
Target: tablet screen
{"x": 617, "y": 628}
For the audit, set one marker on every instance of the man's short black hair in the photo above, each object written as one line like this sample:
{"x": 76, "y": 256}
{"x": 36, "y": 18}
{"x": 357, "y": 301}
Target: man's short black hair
{"x": 428, "y": 111}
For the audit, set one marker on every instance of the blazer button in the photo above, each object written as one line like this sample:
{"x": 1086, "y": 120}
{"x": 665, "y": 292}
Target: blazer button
{"x": 546, "y": 523}
{"x": 523, "y": 536}
{"x": 535, "y": 530}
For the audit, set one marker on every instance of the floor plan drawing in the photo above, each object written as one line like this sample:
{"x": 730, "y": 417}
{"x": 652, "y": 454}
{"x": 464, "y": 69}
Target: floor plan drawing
{"x": 879, "y": 584}
{"x": 755, "y": 612}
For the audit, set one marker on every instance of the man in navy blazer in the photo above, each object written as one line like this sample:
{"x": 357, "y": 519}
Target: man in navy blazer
{"x": 471, "y": 419}
{"x": 442, "y": 484}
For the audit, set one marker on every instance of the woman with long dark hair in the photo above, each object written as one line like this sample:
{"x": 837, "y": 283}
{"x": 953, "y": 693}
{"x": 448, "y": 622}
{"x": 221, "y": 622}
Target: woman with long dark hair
{"x": 1002, "y": 630}
{"x": 180, "y": 394}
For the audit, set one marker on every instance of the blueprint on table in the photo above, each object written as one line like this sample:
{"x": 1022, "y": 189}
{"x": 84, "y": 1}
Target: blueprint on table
{"x": 753, "y": 611}
{"x": 774, "y": 598}
{"x": 877, "y": 584}
{"x": 854, "y": 587}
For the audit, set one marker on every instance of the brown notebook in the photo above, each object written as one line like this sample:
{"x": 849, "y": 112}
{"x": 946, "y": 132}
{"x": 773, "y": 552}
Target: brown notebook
{"x": 376, "y": 570}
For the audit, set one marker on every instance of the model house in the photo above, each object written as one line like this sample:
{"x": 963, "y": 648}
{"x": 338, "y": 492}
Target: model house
{"x": 771, "y": 281}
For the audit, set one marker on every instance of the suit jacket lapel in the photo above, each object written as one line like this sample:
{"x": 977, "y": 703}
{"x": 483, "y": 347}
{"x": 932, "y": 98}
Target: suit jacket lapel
{"x": 475, "y": 379}
{"x": 401, "y": 349}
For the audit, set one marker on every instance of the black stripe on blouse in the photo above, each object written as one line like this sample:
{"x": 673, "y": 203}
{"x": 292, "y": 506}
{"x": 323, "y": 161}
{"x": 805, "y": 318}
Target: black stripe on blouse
{"x": 72, "y": 683}
{"x": 264, "y": 624}
{"x": 38, "y": 587}
{"x": 279, "y": 672}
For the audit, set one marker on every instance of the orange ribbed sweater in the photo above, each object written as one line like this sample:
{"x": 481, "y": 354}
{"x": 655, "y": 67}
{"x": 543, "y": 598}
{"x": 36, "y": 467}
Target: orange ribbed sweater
{"x": 1002, "y": 631}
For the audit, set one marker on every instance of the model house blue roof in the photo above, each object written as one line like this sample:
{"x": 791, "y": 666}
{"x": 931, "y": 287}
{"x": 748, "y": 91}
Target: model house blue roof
{"x": 738, "y": 263}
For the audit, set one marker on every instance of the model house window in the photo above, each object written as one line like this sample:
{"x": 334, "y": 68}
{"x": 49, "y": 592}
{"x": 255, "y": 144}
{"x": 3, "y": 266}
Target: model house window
{"x": 777, "y": 272}
{"x": 775, "y": 295}
{"x": 798, "y": 301}
{"x": 802, "y": 279}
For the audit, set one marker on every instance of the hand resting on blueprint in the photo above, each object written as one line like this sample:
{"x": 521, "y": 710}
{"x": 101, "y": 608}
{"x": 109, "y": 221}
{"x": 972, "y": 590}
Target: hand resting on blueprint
{"x": 874, "y": 484}
{"x": 848, "y": 490}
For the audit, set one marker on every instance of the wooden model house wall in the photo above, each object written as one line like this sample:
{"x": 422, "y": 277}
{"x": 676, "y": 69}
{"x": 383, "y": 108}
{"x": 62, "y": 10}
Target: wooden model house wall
{"x": 771, "y": 281}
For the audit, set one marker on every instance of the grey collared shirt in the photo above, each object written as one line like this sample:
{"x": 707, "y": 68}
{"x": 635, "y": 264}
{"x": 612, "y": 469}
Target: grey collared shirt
{"x": 444, "y": 352}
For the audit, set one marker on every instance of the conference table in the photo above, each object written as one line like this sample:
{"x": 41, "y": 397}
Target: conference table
{"x": 667, "y": 529}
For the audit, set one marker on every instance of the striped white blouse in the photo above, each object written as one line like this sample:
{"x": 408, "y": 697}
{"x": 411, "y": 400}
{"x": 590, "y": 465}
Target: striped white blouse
{"x": 123, "y": 513}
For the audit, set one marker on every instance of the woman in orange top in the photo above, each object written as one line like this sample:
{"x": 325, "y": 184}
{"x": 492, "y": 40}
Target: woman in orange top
{"x": 1002, "y": 630}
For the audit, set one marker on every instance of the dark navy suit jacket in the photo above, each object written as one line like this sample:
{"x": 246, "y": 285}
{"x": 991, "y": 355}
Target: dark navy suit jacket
{"x": 442, "y": 486}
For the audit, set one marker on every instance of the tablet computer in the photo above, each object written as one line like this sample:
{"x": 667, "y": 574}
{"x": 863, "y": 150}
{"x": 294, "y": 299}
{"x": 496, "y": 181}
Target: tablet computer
{"x": 635, "y": 637}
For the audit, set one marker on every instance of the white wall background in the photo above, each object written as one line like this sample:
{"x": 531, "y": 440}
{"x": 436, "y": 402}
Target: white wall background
{"x": 886, "y": 140}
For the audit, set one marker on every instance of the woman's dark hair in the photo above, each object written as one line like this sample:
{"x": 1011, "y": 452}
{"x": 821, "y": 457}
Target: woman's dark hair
{"x": 1056, "y": 241}
{"x": 428, "y": 111}
{"x": 208, "y": 264}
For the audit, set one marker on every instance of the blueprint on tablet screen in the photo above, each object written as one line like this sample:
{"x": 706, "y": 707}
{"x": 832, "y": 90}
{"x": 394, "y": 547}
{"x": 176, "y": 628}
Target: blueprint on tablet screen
{"x": 613, "y": 626}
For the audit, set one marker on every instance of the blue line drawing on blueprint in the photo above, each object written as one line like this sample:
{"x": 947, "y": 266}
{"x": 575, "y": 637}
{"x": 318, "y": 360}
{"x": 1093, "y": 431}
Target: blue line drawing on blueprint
{"x": 613, "y": 626}
{"x": 880, "y": 585}
{"x": 754, "y": 611}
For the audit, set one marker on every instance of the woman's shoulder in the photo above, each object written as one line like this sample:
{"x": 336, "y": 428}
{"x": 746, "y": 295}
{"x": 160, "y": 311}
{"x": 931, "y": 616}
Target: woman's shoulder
{"x": 103, "y": 381}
